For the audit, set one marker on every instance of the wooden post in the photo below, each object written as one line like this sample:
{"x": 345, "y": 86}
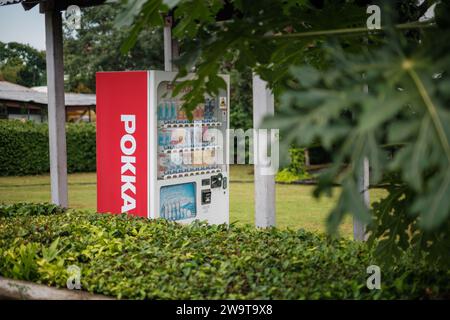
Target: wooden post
{"x": 359, "y": 228}
{"x": 263, "y": 104}
{"x": 56, "y": 106}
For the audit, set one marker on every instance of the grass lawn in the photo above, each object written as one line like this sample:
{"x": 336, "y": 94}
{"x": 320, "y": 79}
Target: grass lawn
{"x": 296, "y": 207}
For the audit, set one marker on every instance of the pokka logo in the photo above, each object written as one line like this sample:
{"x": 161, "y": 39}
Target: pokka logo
{"x": 128, "y": 161}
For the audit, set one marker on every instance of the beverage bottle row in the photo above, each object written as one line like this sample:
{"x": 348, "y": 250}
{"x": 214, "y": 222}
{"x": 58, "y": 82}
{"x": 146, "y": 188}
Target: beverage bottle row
{"x": 192, "y": 137}
{"x": 174, "y": 211}
{"x": 186, "y": 162}
{"x": 170, "y": 111}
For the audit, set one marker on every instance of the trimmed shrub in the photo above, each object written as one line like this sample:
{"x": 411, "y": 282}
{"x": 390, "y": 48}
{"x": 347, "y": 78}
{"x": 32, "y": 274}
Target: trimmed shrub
{"x": 29, "y": 209}
{"x": 130, "y": 257}
{"x": 296, "y": 170}
{"x": 24, "y": 147}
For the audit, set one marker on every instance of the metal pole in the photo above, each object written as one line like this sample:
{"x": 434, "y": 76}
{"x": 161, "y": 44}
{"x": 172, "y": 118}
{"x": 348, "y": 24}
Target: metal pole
{"x": 263, "y": 104}
{"x": 56, "y": 107}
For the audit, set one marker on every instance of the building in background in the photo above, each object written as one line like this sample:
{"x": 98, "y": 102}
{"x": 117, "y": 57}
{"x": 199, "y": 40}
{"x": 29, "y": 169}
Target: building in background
{"x": 19, "y": 102}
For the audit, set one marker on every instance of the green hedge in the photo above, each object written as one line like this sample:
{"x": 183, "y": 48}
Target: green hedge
{"x": 24, "y": 147}
{"x": 130, "y": 257}
{"x": 296, "y": 170}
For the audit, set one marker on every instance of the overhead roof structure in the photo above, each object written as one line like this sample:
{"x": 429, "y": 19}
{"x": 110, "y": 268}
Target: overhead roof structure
{"x": 57, "y": 5}
{"x": 14, "y": 92}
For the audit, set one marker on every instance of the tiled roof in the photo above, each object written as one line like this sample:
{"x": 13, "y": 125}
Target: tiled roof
{"x": 62, "y": 4}
{"x": 15, "y": 92}
{"x": 27, "y": 4}
{"x": 3, "y": 2}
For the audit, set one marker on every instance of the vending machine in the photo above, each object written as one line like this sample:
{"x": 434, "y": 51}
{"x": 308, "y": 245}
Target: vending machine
{"x": 152, "y": 160}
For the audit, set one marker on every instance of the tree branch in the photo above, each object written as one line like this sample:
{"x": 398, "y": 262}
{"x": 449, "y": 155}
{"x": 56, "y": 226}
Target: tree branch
{"x": 345, "y": 31}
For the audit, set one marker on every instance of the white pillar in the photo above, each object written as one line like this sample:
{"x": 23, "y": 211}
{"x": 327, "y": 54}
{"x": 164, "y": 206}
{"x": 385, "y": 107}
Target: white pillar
{"x": 263, "y": 104}
{"x": 56, "y": 107}
{"x": 359, "y": 228}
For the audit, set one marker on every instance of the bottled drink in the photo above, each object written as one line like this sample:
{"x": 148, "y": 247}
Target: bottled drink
{"x": 181, "y": 114}
{"x": 167, "y": 109}
{"x": 164, "y": 164}
{"x": 197, "y": 136}
{"x": 187, "y": 138}
{"x": 178, "y": 210}
{"x": 168, "y": 138}
{"x": 174, "y": 212}
{"x": 162, "y": 138}
{"x": 161, "y": 111}
{"x": 173, "y": 110}
{"x": 167, "y": 212}
{"x": 162, "y": 211}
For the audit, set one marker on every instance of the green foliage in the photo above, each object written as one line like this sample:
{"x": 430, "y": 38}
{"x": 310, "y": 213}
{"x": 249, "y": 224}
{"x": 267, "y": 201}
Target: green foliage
{"x": 29, "y": 209}
{"x": 129, "y": 257}
{"x": 24, "y": 147}
{"x": 287, "y": 176}
{"x": 318, "y": 57}
{"x": 95, "y": 46}
{"x": 245, "y": 40}
{"x": 22, "y": 64}
{"x": 81, "y": 147}
{"x": 241, "y": 111}
{"x": 297, "y": 164}
{"x": 398, "y": 229}
{"x": 400, "y": 124}
{"x": 296, "y": 170}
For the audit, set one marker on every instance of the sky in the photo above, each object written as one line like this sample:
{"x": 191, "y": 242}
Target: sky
{"x": 22, "y": 26}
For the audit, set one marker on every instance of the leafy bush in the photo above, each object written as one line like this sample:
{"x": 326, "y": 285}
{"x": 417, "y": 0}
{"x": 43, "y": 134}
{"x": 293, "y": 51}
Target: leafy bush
{"x": 296, "y": 170}
{"x": 81, "y": 147}
{"x": 297, "y": 165}
{"x": 400, "y": 125}
{"x": 130, "y": 257}
{"x": 286, "y": 176}
{"x": 24, "y": 147}
{"x": 29, "y": 209}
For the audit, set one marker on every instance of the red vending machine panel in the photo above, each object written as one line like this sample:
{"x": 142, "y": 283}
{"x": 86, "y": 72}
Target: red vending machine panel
{"x": 152, "y": 160}
{"x": 122, "y": 142}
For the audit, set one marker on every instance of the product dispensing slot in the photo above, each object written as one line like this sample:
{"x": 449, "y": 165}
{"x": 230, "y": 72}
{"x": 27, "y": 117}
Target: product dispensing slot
{"x": 206, "y": 196}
